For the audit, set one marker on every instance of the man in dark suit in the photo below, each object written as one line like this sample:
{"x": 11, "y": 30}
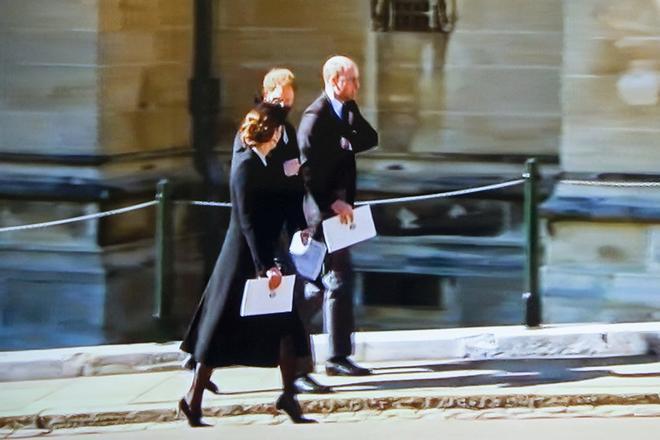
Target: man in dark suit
{"x": 278, "y": 88}
{"x": 332, "y": 130}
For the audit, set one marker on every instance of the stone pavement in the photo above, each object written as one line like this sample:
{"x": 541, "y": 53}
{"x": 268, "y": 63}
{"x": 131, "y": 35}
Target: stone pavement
{"x": 612, "y": 375}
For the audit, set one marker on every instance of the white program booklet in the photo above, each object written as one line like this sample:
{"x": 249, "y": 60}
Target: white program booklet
{"x": 258, "y": 299}
{"x": 308, "y": 258}
{"x": 338, "y": 236}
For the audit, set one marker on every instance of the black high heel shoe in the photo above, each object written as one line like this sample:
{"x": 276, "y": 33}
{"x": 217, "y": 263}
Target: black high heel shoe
{"x": 287, "y": 402}
{"x": 194, "y": 419}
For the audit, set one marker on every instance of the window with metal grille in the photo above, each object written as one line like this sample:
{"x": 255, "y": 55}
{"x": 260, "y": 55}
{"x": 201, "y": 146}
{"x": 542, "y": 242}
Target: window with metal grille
{"x": 411, "y": 15}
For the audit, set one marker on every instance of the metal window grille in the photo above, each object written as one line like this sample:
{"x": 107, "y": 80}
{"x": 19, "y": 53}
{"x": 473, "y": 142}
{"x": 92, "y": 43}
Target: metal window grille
{"x": 411, "y": 15}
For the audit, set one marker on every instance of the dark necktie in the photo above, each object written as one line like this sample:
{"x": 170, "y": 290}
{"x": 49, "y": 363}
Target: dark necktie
{"x": 345, "y": 114}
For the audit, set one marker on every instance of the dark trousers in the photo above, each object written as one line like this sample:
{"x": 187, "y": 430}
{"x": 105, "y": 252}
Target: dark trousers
{"x": 337, "y": 302}
{"x": 338, "y": 317}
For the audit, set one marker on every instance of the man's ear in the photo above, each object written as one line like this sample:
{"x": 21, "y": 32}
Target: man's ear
{"x": 334, "y": 82}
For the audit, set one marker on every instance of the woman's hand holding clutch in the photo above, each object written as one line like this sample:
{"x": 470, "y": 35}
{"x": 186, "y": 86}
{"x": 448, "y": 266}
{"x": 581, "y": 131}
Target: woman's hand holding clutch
{"x": 306, "y": 235}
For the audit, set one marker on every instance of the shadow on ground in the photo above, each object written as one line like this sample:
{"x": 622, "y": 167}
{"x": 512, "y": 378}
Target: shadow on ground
{"x": 504, "y": 373}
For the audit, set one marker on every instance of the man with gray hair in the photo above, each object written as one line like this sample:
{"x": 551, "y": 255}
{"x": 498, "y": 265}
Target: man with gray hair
{"x": 332, "y": 130}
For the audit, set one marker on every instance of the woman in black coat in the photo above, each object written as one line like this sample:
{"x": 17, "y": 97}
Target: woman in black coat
{"x": 218, "y": 336}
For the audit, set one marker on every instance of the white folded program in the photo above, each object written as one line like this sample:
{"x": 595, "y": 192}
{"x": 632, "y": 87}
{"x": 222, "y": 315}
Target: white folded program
{"x": 339, "y": 236}
{"x": 259, "y": 299}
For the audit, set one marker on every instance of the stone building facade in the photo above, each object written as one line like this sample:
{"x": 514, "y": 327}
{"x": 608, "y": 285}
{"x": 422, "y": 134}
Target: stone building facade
{"x": 94, "y": 110}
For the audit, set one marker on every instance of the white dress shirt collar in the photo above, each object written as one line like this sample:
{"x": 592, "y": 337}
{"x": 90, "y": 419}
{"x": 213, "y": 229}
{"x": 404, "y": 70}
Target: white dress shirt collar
{"x": 285, "y": 136}
{"x": 336, "y": 104}
{"x": 261, "y": 156}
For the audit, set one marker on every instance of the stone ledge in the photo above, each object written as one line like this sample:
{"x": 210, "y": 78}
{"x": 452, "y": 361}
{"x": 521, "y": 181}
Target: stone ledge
{"x": 478, "y": 343}
{"x": 161, "y": 414}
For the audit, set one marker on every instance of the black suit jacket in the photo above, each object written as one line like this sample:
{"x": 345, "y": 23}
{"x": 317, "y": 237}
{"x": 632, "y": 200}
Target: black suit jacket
{"x": 329, "y": 171}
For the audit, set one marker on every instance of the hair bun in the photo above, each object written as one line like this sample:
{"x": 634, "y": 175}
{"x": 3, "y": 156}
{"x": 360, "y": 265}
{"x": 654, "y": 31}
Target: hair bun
{"x": 274, "y": 111}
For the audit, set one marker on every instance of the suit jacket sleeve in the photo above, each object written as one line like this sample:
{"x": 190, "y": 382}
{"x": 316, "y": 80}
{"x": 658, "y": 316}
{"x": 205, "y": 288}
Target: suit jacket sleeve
{"x": 243, "y": 197}
{"x": 360, "y": 133}
{"x": 309, "y": 139}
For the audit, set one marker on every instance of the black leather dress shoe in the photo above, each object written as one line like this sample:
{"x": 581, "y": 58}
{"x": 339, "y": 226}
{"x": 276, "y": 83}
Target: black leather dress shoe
{"x": 307, "y": 384}
{"x": 344, "y": 367}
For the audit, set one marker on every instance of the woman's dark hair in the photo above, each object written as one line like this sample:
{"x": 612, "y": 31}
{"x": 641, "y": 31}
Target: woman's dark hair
{"x": 260, "y": 123}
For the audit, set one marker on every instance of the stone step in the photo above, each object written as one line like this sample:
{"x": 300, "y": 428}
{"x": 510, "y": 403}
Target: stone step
{"x": 477, "y": 343}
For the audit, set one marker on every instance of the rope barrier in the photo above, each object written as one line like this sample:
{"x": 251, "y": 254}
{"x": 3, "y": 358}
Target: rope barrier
{"x": 228, "y": 205}
{"x": 202, "y": 203}
{"x": 613, "y": 184}
{"x": 388, "y": 201}
{"x": 80, "y": 218}
{"x": 441, "y": 195}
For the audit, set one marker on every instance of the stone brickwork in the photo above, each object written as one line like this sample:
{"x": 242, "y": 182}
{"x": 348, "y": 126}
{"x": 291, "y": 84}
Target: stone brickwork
{"x": 604, "y": 130}
{"x": 93, "y": 95}
{"x": 601, "y": 249}
{"x": 93, "y": 105}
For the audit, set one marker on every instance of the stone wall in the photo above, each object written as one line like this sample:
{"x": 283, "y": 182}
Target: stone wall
{"x": 601, "y": 242}
{"x": 610, "y": 49}
{"x": 490, "y": 87}
{"x": 93, "y": 111}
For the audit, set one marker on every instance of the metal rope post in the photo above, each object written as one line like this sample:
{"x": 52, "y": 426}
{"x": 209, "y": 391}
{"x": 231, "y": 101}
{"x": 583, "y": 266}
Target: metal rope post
{"x": 164, "y": 271}
{"x": 531, "y": 297}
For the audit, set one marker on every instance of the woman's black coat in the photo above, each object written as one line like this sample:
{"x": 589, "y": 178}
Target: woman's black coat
{"x": 262, "y": 203}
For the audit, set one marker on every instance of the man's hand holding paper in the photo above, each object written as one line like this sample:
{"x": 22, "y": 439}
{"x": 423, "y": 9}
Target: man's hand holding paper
{"x": 340, "y": 234}
{"x": 343, "y": 210}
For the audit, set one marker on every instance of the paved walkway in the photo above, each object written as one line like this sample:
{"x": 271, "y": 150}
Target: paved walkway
{"x": 487, "y": 380}
{"x": 492, "y": 386}
{"x": 397, "y": 427}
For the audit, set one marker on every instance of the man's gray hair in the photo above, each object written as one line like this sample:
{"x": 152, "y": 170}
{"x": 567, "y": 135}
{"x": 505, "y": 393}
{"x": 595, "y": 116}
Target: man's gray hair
{"x": 336, "y": 65}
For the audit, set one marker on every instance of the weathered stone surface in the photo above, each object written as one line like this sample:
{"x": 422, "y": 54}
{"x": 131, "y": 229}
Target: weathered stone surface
{"x": 610, "y": 150}
{"x": 602, "y": 132}
{"x": 469, "y": 407}
{"x": 484, "y": 343}
{"x": 447, "y": 132}
{"x": 637, "y": 289}
{"x": 595, "y": 102}
{"x": 605, "y": 293}
{"x": 49, "y": 14}
{"x": 497, "y": 47}
{"x": 142, "y": 47}
{"x": 654, "y": 248}
{"x": 48, "y": 88}
{"x": 606, "y": 265}
{"x": 47, "y": 46}
{"x": 66, "y": 82}
{"x": 511, "y": 15}
{"x": 141, "y": 15}
{"x": 424, "y": 92}
{"x": 616, "y": 244}
{"x": 71, "y": 132}
{"x": 144, "y": 130}
{"x": 72, "y": 236}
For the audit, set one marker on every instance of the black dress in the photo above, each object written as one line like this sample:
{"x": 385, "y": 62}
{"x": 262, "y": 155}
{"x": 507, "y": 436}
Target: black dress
{"x": 261, "y": 205}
